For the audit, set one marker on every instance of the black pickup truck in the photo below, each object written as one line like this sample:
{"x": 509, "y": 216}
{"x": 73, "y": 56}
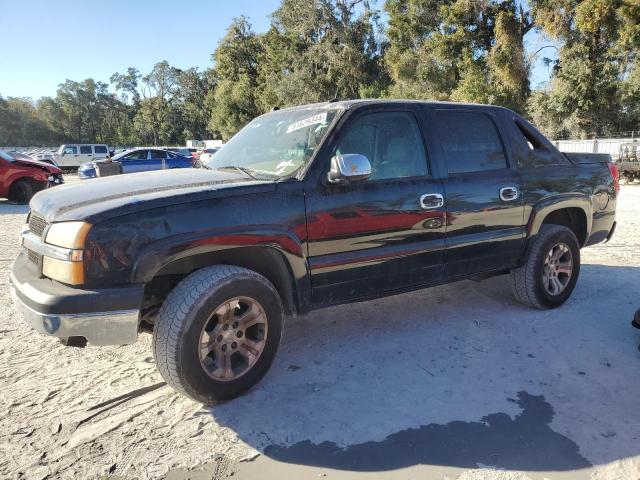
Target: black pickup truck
{"x": 307, "y": 207}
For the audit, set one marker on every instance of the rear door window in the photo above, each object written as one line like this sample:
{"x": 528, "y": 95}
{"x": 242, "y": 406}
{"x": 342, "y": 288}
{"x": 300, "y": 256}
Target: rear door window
{"x": 470, "y": 141}
{"x": 85, "y": 149}
{"x": 158, "y": 155}
{"x": 100, "y": 149}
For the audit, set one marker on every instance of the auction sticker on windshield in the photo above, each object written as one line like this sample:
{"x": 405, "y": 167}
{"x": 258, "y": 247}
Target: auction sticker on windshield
{"x": 320, "y": 118}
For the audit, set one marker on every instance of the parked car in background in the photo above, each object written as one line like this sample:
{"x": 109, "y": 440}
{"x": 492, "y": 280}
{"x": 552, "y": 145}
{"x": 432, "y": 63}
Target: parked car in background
{"x": 43, "y": 156}
{"x": 140, "y": 160}
{"x": 207, "y": 155}
{"x": 31, "y": 156}
{"x": 74, "y": 155}
{"x": 629, "y": 161}
{"x": 182, "y": 151}
{"x": 195, "y": 154}
{"x": 21, "y": 178}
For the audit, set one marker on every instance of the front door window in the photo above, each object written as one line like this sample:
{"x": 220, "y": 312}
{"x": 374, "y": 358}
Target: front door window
{"x": 390, "y": 140}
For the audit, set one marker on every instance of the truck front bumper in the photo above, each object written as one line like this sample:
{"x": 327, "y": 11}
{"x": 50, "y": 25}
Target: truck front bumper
{"x": 107, "y": 316}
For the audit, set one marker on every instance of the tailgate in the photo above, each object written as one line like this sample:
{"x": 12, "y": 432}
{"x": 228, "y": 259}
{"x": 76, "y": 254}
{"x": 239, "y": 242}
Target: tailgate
{"x": 580, "y": 158}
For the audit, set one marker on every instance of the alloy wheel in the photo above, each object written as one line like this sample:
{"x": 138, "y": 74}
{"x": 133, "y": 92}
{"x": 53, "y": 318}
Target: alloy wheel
{"x": 233, "y": 338}
{"x": 558, "y": 268}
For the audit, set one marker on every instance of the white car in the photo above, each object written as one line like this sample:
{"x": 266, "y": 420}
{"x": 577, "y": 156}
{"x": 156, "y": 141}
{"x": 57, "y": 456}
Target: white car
{"x": 207, "y": 154}
{"x": 73, "y": 155}
{"x": 43, "y": 156}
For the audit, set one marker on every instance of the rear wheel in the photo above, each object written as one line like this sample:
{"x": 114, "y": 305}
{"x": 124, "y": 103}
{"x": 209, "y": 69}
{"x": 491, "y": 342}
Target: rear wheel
{"x": 551, "y": 270}
{"x": 218, "y": 332}
{"x": 21, "y": 192}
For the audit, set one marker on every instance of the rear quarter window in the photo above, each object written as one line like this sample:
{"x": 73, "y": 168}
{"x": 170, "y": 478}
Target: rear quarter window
{"x": 469, "y": 141}
{"x": 538, "y": 151}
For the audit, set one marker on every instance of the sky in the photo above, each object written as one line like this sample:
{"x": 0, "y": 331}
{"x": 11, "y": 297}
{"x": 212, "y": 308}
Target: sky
{"x": 45, "y": 42}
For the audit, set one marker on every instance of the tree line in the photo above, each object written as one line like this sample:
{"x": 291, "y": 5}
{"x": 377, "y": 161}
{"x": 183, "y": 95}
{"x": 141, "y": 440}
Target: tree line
{"x": 460, "y": 50}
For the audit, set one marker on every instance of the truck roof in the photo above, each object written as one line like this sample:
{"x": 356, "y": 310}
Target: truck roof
{"x": 347, "y": 104}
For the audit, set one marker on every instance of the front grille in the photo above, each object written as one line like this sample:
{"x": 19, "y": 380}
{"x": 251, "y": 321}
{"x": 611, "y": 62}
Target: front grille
{"x": 33, "y": 256}
{"x": 37, "y": 225}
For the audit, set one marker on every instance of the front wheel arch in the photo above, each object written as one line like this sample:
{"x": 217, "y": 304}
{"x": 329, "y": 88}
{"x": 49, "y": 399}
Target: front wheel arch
{"x": 267, "y": 262}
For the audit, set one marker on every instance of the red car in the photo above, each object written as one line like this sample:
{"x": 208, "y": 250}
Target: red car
{"x": 20, "y": 179}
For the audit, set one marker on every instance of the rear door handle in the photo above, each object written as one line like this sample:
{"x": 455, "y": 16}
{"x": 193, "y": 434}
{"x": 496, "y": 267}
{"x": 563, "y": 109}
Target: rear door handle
{"x": 430, "y": 201}
{"x": 508, "y": 194}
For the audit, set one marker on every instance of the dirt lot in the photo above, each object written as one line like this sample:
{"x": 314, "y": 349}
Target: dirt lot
{"x": 453, "y": 382}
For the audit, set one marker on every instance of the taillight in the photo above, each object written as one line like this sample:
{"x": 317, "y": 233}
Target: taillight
{"x": 613, "y": 170}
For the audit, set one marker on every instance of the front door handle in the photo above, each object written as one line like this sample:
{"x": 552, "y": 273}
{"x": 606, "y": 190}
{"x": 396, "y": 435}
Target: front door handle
{"x": 430, "y": 201}
{"x": 508, "y": 194}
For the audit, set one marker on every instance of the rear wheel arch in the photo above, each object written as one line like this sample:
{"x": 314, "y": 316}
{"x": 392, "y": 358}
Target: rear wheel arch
{"x": 574, "y": 218}
{"x": 571, "y": 211}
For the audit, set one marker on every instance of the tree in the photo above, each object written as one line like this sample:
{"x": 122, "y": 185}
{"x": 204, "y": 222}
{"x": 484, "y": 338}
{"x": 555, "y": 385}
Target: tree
{"x": 584, "y": 95}
{"x": 128, "y": 83}
{"x": 316, "y": 51}
{"x": 236, "y": 70}
{"x": 195, "y": 112}
{"x": 459, "y": 49}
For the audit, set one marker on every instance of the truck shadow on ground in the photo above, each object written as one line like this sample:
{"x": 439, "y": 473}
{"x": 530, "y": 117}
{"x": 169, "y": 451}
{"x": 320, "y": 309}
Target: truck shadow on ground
{"x": 458, "y": 375}
{"x": 525, "y": 442}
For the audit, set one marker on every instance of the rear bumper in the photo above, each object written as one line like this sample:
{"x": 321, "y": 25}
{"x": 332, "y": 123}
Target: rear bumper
{"x": 102, "y": 316}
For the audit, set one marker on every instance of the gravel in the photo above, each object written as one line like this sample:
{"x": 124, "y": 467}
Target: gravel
{"x": 349, "y": 376}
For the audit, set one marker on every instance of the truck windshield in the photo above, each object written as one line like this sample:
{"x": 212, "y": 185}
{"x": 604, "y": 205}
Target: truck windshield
{"x": 275, "y": 144}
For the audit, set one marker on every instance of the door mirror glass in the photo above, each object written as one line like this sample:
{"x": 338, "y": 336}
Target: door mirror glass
{"x": 349, "y": 168}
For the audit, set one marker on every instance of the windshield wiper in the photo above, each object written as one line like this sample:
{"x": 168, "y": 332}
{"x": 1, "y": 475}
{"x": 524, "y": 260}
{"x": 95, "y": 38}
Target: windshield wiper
{"x": 255, "y": 174}
{"x": 244, "y": 170}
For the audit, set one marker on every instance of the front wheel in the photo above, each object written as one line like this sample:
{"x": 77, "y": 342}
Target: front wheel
{"x": 551, "y": 269}
{"x": 21, "y": 192}
{"x": 218, "y": 332}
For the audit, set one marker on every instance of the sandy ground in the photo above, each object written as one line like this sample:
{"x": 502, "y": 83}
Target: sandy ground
{"x": 454, "y": 382}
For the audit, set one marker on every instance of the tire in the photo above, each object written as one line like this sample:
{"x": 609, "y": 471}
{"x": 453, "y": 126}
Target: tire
{"x": 21, "y": 192}
{"x": 189, "y": 317}
{"x": 529, "y": 284}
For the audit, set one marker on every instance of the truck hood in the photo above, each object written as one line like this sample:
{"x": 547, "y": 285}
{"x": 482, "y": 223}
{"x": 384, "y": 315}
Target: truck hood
{"x": 99, "y": 199}
{"x": 47, "y": 167}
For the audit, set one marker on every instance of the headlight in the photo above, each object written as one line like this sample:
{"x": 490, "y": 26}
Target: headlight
{"x": 71, "y": 235}
{"x": 71, "y": 273}
{"x": 68, "y": 234}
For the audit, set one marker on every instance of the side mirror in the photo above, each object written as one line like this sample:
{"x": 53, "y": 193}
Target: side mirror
{"x": 348, "y": 168}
